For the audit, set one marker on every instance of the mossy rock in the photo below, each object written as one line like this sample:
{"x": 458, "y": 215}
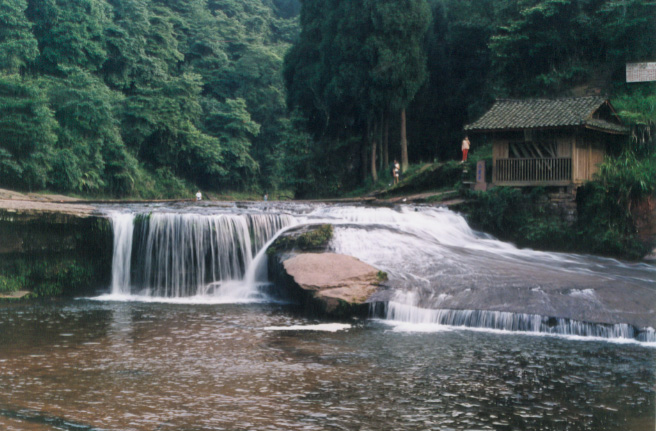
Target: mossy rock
{"x": 307, "y": 238}
{"x": 54, "y": 255}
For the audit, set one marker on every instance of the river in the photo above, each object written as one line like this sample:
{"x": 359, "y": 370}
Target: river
{"x": 186, "y": 338}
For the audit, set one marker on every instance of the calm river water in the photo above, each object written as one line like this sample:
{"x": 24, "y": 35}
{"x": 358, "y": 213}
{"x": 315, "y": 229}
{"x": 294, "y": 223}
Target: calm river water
{"x": 94, "y": 365}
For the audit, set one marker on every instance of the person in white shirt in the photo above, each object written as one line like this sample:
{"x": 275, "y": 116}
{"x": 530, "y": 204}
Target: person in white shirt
{"x": 465, "y": 148}
{"x": 396, "y": 171}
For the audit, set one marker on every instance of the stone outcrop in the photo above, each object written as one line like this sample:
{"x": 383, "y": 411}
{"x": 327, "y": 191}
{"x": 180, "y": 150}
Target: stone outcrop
{"x": 51, "y": 251}
{"x": 323, "y": 283}
{"x": 339, "y": 284}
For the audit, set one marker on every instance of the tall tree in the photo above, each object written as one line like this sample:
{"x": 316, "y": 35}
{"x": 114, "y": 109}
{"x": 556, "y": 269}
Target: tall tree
{"x": 27, "y": 133}
{"x": 17, "y": 43}
{"x": 127, "y": 64}
{"x": 550, "y": 46}
{"x": 398, "y": 68}
{"x": 231, "y": 122}
{"x": 353, "y": 62}
{"x": 70, "y": 32}
{"x": 90, "y": 155}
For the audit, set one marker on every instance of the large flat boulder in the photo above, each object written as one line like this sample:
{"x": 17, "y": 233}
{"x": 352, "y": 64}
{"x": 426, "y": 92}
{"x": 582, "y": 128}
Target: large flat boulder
{"x": 324, "y": 283}
{"x": 333, "y": 277}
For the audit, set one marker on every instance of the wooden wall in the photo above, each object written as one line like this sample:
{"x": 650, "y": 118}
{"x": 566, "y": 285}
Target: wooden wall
{"x": 585, "y": 148}
{"x": 499, "y": 149}
{"x": 588, "y": 155}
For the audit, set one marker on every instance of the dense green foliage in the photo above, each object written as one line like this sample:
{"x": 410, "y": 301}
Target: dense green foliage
{"x": 158, "y": 97}
{"x": 481, "y": 50}
{"x": 524, "y": 217}
{"x": 354, "y": 66}
{"x": 48, "y": 276}
{"x": 604, "y": 225}
{"x": 475, "y": 51}
{"x": 142, "y": 97}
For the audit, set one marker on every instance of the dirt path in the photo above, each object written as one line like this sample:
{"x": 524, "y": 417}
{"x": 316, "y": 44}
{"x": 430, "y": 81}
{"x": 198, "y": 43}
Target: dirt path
{"x": 14, "y": 295}
{"x": 35, "y": 203}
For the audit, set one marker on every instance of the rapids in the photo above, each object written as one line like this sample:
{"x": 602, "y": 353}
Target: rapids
{"x": 441, "y": 272}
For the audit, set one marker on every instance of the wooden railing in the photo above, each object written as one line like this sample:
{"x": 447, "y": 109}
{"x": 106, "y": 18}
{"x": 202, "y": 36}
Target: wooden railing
{"x": 556, "y": 170}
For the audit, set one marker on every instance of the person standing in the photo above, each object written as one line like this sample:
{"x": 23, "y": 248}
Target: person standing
{"x": 198, "y": 196}
{"x": 465, "y": 148}
{"x": 396, "y": 171}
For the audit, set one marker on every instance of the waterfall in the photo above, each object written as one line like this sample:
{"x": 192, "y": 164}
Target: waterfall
{"x": 123, "y": 225}
{"x": 177, "y": 255}
{"x": 440, "y": 271}
{"x": 516, "y": 322}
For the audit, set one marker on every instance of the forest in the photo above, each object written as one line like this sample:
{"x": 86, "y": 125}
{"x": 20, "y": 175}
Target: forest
{"x": 155, "y": 98}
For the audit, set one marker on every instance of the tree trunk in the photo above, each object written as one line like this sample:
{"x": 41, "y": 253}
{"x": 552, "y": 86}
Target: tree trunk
{"x": 374, "y": 148}
{"x": 386, "y": 141}
{"x": 363, "y": 155}
{"x": 379, "y": 136}
{"x": 404, "y": 144}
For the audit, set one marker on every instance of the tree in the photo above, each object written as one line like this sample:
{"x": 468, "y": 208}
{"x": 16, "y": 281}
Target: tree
{"x": 90, "y": 155}
{"x": 165, "y": 125}
{"x": 396, "y": 45}
{"x": 458, "y": 88}
{"x": 17, "y": 43}
{"x": 549, "y": 46}
{"x": 127, "y": 64}
{"x": 354, "y": 62}
{"x": 70, "y": 32}
{"x": 27, "y": 133}
{"x": 231, "y": 123}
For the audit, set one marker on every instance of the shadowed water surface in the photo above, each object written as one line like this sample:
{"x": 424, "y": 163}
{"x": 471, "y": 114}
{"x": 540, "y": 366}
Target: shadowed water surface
{"x": 88, "y": 365}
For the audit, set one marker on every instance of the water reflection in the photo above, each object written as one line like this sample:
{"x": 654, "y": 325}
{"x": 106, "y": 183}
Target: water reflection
{"x": 140, "y": 366}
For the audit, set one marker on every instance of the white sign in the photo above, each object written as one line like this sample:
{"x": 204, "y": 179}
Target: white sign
{"x": 640, "y": 72}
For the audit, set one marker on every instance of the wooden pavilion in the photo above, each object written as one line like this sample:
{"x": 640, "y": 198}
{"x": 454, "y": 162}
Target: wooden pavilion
{"x": 549, "y": 142}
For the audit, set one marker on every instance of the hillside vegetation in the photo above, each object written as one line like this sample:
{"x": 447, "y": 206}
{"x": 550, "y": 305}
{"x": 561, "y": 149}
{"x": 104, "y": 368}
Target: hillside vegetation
{"x": 155, "y": 98}
{"x": 142, "y": 97}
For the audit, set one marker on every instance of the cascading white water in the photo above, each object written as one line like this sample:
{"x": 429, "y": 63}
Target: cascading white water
{"x": 123, "y": 225}
{"x": 443, "y": 272}
{"x": 440, "y": 270}
{"x": 178, "y": 255}
{"x": 515, "y": 322}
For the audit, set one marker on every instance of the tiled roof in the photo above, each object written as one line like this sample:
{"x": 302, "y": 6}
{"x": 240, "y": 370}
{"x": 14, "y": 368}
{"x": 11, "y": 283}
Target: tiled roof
{"x": 595, "y": 123}
{"x": 543, "y": 113}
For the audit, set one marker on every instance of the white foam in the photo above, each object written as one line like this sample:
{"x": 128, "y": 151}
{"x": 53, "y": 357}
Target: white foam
{"x": 398, "y": 326}
{"x": 585, "y": 293}
{"x": 417, "y": 327}
{"x": 191, "y": 300}
{"x": 325, "y": 327}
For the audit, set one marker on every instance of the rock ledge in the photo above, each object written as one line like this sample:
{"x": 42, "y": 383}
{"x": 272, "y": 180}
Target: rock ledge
{"x": 332, "y": 276}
